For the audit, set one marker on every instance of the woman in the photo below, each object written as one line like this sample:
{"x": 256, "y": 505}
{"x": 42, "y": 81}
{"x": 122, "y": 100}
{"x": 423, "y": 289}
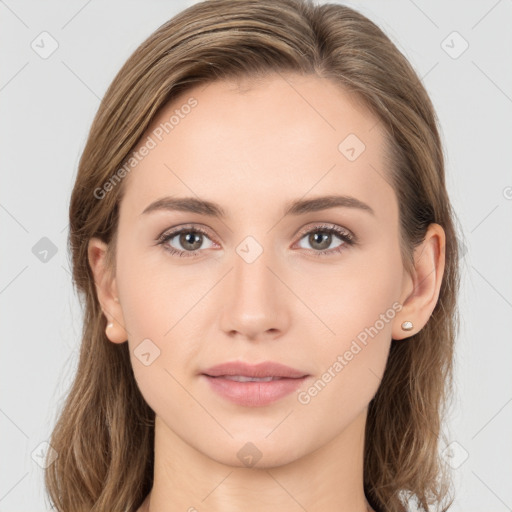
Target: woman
{"x": 266, "y": 251}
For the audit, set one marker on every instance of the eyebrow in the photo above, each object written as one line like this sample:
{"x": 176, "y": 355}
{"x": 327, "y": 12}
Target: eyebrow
{"x": 297, "y": 207}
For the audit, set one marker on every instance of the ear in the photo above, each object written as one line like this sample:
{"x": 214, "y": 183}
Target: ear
{"x": 106, "y": 290}
{"x": 421, "y": 289}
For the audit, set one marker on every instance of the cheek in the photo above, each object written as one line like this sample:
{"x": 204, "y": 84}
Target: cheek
{"x": 355, "y": 294}
{"x": 358, "y": 304}
{"x": 147, "y": 288}
{"x": 160, "y": 309}
{"x": 350, "y": 363}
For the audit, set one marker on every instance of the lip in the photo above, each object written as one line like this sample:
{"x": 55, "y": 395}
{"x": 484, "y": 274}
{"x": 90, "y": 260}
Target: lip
{"x": 265, "y": 369}
{"x": 254, "y": 394}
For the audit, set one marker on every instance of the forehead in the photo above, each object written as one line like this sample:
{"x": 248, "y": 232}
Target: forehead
{"x": 278, "y": 136}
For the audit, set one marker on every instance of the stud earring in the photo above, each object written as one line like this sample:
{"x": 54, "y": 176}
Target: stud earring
{"x": 109, "y": 325}
{"x": 407, "y": 326}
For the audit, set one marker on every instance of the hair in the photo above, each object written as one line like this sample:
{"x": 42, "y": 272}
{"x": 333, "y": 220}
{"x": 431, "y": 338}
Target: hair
{"x": 104, "y": 435}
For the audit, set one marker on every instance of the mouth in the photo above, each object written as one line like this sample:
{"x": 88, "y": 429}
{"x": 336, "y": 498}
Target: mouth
{"x": 245, "y": 372}
{"x": 253, "y": 392}
{"x": 253, "y": 385}
{"x": 245, "y": 378}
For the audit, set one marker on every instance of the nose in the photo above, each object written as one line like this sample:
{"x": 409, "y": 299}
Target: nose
{"x": 255, "y": 305}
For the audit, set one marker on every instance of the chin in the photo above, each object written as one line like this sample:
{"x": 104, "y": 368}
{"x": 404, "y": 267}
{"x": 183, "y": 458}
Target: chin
{"x": 256, "y": 451}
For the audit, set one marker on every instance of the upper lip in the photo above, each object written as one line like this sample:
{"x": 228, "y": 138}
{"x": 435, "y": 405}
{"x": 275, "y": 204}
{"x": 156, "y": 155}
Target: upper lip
{"x": 265, "y": 369}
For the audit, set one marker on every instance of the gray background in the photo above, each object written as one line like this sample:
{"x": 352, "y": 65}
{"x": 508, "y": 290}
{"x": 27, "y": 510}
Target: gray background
{"x": 47, "y": 107}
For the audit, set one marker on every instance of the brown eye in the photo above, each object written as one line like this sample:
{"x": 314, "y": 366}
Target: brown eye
{"x": 190, "y": 240}
{"x": 321, "y": 238}
{"x": 184, "y": 242}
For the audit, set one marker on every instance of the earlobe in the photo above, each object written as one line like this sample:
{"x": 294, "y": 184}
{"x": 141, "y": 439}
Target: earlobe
{"x": 429, "y": 262}
{"x": 106, "y": 291}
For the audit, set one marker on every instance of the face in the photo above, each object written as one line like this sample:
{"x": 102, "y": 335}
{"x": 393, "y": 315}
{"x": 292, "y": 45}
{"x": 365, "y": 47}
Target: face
{"x": 317, "y": 288}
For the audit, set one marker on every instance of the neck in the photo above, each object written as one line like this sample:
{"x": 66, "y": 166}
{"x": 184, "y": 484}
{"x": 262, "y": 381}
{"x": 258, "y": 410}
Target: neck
{"x": 329, "y": 478}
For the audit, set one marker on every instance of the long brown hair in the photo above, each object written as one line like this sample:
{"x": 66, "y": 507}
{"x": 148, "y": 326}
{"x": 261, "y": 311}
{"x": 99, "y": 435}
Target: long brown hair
{"x": 105, "y": 431}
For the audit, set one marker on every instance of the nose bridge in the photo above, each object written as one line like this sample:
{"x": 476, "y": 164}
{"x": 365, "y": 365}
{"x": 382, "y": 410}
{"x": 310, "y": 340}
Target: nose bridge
{"x": 253, "y": 306}
{"x": 252, "y": 278}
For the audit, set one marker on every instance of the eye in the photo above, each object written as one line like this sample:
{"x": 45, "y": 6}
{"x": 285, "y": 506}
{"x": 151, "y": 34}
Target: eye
{"x": 191, "y": 239}
{"x": 321, "y": 237}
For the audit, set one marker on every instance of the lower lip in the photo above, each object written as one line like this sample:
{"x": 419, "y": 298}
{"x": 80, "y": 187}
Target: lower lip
{"x": 254, "y": 394}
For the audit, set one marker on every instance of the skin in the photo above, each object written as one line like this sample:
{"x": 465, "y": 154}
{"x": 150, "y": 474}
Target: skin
{"x": 252, "y": 152}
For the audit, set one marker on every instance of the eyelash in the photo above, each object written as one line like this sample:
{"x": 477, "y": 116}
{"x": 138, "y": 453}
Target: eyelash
{"x": 347, "y": 237}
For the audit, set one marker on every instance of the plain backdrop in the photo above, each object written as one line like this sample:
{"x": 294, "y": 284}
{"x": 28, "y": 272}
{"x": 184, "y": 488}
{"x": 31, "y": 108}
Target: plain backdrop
{"x": 460, "y": 49}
